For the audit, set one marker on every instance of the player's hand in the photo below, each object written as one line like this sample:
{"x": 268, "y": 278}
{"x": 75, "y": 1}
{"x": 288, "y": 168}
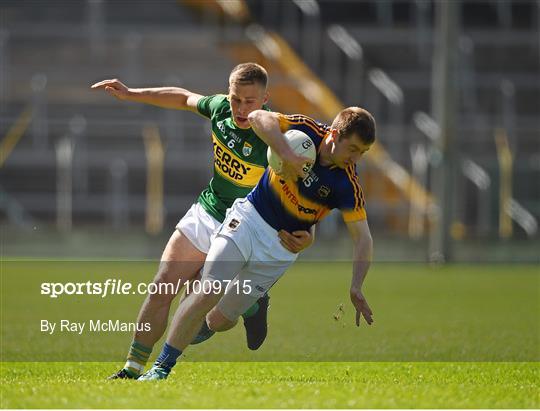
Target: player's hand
{"x": 362, "y": 307}
{"x": 114, "y": 87}
{"x": 294, "y": 167}
{"x": 295, "y": 241}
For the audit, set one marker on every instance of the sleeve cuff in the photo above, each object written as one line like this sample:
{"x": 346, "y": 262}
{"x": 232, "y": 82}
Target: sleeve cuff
{"x": 354, "y": 215}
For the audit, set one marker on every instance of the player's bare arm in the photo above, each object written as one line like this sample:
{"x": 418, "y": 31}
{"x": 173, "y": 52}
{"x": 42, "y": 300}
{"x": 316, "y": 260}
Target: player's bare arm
{"x": 166, "y": 97}
{"x": 266, "y": 126}
{"x": 362, "y": 254}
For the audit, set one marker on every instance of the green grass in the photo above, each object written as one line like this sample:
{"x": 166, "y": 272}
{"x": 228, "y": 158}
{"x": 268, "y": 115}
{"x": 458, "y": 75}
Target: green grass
{"x": 454, "y": 336}
{"x": 276, "y": 385}
{"x": 453, "y": 313}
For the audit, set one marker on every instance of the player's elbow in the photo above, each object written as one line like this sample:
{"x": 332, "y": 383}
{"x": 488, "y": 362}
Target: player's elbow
{"x": 255, "y": 117}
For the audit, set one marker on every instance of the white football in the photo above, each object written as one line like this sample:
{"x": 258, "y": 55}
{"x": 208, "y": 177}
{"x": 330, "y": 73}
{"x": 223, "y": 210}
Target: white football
{"x": 301, "y": 144}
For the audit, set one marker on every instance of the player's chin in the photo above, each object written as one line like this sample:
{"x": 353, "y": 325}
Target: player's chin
{"x": 242, "y": 122}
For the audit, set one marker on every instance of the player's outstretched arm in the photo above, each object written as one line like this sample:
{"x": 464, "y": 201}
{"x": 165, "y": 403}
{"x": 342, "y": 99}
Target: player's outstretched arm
{"x": 166, "y": 97}
{"x": 266, "y": 126}
{"x": 362, "y": 253}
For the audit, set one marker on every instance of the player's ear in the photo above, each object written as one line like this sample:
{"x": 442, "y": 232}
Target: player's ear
{"x": 266, "y": 97}
{"x": 333, "y": 134}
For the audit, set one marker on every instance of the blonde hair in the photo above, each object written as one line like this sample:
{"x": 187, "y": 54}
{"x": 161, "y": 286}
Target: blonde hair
{"x": 249, "y": 73}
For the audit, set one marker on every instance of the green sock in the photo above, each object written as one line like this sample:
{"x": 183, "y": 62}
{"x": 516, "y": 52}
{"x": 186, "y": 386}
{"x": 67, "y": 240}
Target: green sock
{"x": 137, "y": 358}
{"x": 251, "y": 311}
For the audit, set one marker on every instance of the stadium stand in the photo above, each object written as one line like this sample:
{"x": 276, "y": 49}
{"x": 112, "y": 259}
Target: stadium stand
{"x": 380, "y": 51}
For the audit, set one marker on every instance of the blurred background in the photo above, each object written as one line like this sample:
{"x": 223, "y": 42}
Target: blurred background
{"x": 454, "y": 86}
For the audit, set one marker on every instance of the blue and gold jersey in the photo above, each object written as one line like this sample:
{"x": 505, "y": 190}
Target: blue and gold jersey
{"x": 290, "y": 205}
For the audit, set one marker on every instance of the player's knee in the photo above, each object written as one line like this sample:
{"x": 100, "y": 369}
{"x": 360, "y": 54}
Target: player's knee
{"x": 204, "y": 302}
{"x": 169, "y": 272}
{"x": 216, "y": 321}
{"x": 196, "y": 279}
{"x": 160, "y": 297}
{"x": 165, "y": 286}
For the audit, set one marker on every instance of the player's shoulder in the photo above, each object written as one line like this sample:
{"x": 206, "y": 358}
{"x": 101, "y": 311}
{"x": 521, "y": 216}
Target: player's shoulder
{"x": 313, "y": 128}
{"x": 295, "y": 119}
{"x": 347, "y": 178}
{"x": 220, "y": 100}
{"x": 351, "y": 173}
{"x": 348, "y": 189}
{"x": 220, "y": 106}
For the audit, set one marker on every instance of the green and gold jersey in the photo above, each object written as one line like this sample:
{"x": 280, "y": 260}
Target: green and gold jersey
{"x": 239, "y": 158}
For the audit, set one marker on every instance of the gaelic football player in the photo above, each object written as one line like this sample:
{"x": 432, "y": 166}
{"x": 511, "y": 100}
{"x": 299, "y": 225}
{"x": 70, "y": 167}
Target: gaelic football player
{"x": 239, "y": 162}
{"x": 246, "y": 245}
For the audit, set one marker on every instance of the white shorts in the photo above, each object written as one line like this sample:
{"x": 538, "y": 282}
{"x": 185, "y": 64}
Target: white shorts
{"x": 254, "y": 237}
{"x": 198, "y": 226}
{"x": 265, "y": 259}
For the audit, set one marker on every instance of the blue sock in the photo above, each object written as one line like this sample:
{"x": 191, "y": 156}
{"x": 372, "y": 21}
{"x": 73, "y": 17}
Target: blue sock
{"x": 167, "y": 358}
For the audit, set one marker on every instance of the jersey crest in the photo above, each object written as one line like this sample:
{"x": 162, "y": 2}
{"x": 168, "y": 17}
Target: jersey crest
{"x": 246, "y": 150}
{"x": 323, "y": 191}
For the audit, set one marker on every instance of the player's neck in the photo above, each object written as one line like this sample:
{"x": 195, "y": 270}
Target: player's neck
{"x": 325, "y": 152}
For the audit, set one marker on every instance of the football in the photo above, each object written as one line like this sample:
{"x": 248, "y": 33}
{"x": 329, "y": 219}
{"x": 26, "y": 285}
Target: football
{"x": 301, "y": 144}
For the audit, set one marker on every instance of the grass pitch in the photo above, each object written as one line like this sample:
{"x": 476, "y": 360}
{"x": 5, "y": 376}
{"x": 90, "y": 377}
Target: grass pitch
{"x": 276, "y": 385}
{"x": 463, "y": 336}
